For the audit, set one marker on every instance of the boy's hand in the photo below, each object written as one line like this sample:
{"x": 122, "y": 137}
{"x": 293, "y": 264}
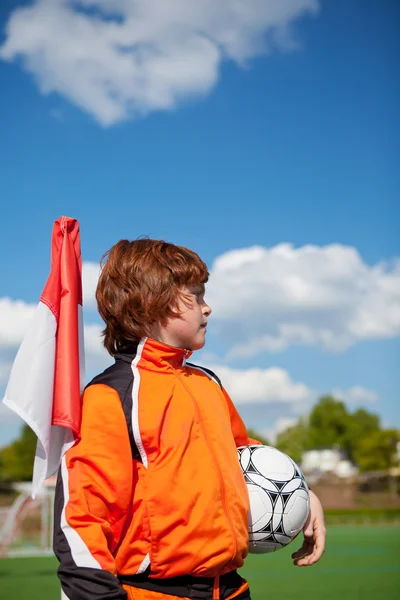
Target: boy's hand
{"x": 314, "y": 535}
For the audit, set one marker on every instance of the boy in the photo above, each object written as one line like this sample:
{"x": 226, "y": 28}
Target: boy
{"x": 151, "y": 503}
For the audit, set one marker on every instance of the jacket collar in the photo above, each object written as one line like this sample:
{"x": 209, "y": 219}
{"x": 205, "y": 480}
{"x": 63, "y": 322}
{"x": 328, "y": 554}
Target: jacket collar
{"x": 153, "y": 353}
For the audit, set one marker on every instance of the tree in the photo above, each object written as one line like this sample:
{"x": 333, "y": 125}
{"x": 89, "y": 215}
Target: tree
{"x": 361, "y": 424}
{"x": 294, "y": 440}
{"x": 16, "y": 460}
{"x": 378, "y": 450}
{"x": 328, "y": 424}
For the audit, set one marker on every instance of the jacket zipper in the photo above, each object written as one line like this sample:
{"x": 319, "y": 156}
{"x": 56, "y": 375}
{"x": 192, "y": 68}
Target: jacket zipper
{"x": 221, "y": 480}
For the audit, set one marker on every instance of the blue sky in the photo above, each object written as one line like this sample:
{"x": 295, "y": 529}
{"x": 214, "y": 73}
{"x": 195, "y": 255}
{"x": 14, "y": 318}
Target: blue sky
{"x": 288, "y": 139}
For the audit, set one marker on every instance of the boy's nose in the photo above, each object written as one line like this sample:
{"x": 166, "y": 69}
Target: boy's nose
{"x": 207, "y": 310}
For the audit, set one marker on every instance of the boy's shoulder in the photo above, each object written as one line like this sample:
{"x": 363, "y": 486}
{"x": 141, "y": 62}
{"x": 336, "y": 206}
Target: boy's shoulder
{"x": 207, "y": 372}
{"x": 117, "y": 374}
{"x": 119, "y": 377}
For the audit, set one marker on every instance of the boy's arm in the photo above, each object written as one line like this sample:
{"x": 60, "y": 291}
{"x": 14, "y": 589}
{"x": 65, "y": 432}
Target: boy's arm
{"x": 314, "y": 530}
{"x": 93, "y": 500}
{"x": 238, "y": 427}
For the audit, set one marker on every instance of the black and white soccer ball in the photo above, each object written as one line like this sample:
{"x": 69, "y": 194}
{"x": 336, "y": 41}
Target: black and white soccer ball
{"x": 279, "y": 497}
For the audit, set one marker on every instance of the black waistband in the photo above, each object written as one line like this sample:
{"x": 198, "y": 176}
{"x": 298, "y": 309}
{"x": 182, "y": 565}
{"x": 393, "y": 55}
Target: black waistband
{"x": 186, "y": 586}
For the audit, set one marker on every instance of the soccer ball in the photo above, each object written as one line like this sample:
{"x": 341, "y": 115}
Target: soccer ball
{"x": 279, "y": 498}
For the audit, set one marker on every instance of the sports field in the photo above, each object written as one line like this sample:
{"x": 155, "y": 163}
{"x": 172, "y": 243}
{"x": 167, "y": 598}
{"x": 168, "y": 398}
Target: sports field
{"x": 359, "y": 563}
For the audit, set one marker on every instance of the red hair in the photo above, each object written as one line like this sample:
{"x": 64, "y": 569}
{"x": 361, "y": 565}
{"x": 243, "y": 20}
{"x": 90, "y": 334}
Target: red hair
{"x": 139, "y": 286}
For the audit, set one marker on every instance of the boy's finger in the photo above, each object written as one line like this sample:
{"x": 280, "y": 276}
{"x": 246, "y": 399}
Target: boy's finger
{"x": 305, "y": 561}
{"x": 315, "y": 555}
{"x": 306, "y": 547}
{"x": 301, "y": 553}
{"x": 300, "y": 557}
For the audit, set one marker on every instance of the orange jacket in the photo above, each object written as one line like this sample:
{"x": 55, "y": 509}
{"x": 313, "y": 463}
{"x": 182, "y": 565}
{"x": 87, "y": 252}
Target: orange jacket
{"x": 154, "y": 484}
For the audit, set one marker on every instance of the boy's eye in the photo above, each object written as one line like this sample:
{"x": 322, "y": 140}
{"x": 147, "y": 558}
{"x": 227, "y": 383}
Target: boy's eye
{"x": 198, "y": 298}
{"x": 197, "y": 294}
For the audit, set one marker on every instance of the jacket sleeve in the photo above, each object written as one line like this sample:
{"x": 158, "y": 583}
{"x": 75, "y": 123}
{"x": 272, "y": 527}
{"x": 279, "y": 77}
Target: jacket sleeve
{"x": 93, "y": 500}
{"x": 238, "y": 427}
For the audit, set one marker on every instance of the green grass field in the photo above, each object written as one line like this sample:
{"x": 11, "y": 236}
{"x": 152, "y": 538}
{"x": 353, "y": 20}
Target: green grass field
{"x": 359, "y": 563}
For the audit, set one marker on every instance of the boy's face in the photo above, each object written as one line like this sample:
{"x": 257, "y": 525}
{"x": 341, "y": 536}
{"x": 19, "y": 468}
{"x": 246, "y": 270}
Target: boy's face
{"x": 188, "y": 330}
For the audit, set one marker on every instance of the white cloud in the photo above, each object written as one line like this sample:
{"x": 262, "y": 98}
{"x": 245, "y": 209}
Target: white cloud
{"x": 266, "y": 299}
{"x": 121, "y": 58}
{"x": 5, "y": 368}
{"x": 90, "y": 276}
{"x": 14, "y": 318}
{"x": 264, "y": 386}
{"x": 356, "y": 395}
{"x": 97, "y": 358}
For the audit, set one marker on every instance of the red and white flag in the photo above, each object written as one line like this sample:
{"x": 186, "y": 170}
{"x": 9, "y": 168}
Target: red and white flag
{"x": 48, "y": 372}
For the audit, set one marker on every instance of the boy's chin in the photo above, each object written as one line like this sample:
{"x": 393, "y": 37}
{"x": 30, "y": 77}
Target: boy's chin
{"x": 197, "y": 346}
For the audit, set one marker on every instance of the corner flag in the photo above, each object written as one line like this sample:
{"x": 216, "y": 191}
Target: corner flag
{"x": 48, "y": 372}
